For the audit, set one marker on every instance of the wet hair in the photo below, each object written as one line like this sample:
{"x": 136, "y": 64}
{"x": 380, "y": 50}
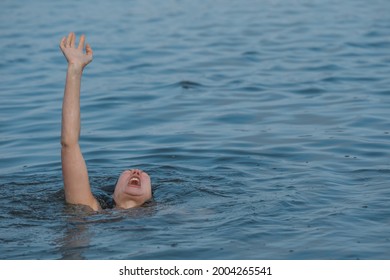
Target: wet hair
{"x": 105, "y": 199}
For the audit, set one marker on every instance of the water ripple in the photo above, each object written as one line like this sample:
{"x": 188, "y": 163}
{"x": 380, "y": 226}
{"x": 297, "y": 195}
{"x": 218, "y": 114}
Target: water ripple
{"x": 265, "y": 129}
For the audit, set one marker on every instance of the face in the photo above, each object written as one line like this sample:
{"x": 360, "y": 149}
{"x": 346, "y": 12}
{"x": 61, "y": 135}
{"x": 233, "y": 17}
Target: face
{"x": 132, "y": 189}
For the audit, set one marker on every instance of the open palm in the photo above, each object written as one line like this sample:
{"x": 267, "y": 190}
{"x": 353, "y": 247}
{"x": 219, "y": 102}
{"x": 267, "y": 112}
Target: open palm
{"x": 75, "y": 55}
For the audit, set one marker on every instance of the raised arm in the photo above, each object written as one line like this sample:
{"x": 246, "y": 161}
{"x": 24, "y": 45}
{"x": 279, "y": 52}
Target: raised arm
{"x": 74, "y": 169}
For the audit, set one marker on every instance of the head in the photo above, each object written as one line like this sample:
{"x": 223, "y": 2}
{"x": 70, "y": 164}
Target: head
{"x": 132, "y": 189}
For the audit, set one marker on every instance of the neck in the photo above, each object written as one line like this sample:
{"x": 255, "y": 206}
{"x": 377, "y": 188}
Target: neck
{"x": 124, "y": 204}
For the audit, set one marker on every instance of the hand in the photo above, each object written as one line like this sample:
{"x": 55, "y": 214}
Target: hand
{"x": 76, "y": 56}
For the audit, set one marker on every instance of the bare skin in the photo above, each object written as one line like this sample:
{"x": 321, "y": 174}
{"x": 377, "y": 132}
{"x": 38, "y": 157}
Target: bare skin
{"x": 134, "y": 186}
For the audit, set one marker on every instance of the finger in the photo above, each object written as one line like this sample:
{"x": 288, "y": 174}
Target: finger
{"x": 62, "y": 43}
{"x": 68, "y": 40}
{"x": 81, "y": 43}
{"x": 73, "y": 40}
{"x": 88, "y": 49}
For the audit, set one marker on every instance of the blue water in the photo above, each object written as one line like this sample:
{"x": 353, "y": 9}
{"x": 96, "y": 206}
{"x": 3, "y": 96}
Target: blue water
{"x": 265, "y": 126}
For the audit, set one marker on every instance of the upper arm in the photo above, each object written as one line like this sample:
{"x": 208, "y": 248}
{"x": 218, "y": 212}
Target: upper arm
{"x": 75, "y": 177}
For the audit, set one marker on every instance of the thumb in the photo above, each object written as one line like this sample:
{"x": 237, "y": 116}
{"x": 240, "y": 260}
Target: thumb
{"x": 88, "y": 49}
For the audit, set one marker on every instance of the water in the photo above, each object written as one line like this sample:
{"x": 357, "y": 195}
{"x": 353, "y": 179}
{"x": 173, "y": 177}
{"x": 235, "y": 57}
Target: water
{"x": 264, "y": 125}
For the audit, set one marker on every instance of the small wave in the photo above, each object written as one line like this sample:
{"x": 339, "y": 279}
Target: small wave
{"x": 185, "y": 84}
{"x": 188, "y": 84}
{"x": 372, "y": 45}
{"x": 250, "y": 53}
{"x": 139, "y": 66}
{"x": 310, "y": 90}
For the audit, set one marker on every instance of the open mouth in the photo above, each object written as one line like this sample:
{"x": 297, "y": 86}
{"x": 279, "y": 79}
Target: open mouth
{"x": 135, "y": 181}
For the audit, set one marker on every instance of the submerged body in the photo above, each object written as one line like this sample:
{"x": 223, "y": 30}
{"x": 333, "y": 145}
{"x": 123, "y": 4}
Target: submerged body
{"x": 134, "y": 186}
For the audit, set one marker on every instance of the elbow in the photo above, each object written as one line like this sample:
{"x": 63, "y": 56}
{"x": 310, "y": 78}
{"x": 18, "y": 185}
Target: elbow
{"x": 67, "y": 143}
{"x": 69, "y": 137}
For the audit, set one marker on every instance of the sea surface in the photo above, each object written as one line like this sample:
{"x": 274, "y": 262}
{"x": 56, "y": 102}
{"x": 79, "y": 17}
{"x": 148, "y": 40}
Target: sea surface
{"x": 265, "y": 126}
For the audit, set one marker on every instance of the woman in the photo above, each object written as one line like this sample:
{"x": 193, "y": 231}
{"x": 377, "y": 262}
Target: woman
{"x": 133, "y": 187}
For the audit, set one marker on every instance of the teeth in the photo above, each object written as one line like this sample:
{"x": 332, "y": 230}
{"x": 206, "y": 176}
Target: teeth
{"x": 134, "y": 181}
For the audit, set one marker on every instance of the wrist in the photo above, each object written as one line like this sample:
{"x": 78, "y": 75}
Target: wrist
{"x": 74, "y": 68}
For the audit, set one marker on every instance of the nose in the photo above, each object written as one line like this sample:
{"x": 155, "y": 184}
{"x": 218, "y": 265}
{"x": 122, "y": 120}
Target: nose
{"x": 136, "y": 172}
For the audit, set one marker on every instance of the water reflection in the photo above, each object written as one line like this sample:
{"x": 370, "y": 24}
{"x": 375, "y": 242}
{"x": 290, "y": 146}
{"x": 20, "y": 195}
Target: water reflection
{"x": 82, "y": 225}
{"x": 77, "y": 236}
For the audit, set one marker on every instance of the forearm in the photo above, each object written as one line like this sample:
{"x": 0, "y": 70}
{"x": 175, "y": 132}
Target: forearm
{"x": 70, "y": 131}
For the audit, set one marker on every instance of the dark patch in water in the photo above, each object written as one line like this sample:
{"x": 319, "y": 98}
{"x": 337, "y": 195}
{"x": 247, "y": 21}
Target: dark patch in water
{"x": 189, "y": 85}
